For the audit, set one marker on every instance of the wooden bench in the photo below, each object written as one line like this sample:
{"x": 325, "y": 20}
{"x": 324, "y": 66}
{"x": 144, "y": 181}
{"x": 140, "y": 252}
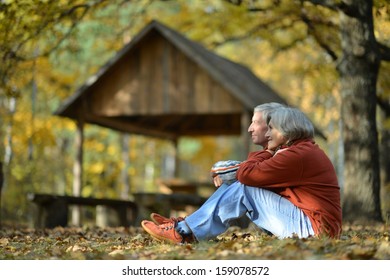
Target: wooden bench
{"x": 176, "y": 185}
{"x": 53, "y": 209}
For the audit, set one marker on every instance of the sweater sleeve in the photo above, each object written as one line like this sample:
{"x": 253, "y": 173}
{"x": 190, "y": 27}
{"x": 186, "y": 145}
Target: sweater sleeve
{"x": 264, "y": 170}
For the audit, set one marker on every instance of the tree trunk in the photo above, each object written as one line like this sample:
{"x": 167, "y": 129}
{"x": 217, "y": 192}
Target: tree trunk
{"x": 385, "y": 160}
{"x": 385, "y": 168}
{"x": 1, "y": 186}
{"x": 384, "y": 148}
{"x": 358, "y": 71}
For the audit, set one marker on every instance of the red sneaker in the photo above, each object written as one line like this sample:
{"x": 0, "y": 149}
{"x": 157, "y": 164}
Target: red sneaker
{"x": 159, "y": 220}
{"x": 166, "y": 232}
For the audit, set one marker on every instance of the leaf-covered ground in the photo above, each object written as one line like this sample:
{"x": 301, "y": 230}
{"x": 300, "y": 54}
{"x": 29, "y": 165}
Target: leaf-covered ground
{"x": 356, "y": 242}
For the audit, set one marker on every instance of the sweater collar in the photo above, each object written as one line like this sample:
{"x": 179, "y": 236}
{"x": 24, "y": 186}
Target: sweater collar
{"x": 294, "y": 143}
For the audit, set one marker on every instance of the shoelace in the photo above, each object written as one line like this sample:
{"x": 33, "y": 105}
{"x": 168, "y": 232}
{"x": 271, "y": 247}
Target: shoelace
{"x": 172, "y": 225}
{"x": 168, "y": 226}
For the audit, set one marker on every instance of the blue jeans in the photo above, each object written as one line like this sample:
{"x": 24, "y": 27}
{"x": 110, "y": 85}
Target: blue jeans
{"x": 266, "y": 209}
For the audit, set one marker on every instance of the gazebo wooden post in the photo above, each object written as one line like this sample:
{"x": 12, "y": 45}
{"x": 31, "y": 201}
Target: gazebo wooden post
{"x": 177, "y": 158}
{"x": 78, "y": 168}
{"x": 125, "y": 180}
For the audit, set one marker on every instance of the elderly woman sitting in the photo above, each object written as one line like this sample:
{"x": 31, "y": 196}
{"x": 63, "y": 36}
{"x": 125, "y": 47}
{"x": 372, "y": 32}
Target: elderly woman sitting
{"x": 290, "y": 188}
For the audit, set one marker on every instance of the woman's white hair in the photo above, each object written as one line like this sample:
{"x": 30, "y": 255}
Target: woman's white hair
{"x": 292, "y": 123}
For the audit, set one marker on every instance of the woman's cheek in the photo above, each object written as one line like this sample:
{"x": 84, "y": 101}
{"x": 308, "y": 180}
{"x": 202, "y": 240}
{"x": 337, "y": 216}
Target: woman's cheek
{"x": 271, "y": 145}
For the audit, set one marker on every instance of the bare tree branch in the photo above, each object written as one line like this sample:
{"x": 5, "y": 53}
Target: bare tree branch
{"x": 246, "y": 35}
{"x": 331, "y": 4}
{"x": 71, "y": 28}
{"x": 319, "y": 40}
{"x": 251, "y": 7}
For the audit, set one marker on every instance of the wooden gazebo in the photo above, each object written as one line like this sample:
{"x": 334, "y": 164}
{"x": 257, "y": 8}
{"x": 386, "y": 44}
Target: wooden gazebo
{"x": 164, "y": 85}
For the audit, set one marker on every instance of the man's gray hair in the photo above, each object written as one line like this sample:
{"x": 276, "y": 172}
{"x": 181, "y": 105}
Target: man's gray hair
{"x": 292, "y": 123}
{"x": 267, "y": 108}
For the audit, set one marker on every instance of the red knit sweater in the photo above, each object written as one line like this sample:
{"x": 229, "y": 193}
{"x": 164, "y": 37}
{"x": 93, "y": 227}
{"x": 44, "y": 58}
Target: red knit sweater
{"x": 303, "y": 174}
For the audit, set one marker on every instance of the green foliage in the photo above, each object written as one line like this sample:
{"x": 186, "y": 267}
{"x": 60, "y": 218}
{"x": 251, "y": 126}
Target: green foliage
{"x": 31, "y": 28}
